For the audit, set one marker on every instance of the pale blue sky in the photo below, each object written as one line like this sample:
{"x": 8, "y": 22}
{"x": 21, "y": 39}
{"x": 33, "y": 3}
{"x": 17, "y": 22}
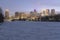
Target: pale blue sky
{"x": 29, "y": 5}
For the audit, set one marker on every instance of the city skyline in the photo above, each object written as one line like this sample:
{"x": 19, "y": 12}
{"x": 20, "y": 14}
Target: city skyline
{"x": 29, "y": 5}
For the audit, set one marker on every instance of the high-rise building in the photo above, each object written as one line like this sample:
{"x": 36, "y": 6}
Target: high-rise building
{"x": 16, "y": 14}
{"x": 52, "y": 12}
{"x": 35, "y": 12}
{"x": 6, "y": 14}
{"x": 47, "y": 12}
{"x": 42, "y": 13}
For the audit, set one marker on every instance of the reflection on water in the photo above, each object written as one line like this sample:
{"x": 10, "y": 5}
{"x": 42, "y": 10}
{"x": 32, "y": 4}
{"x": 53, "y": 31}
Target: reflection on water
{"x": 30, "y": 30}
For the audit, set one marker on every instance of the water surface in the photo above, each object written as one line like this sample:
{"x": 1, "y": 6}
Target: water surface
{"x": 25, "y": 30}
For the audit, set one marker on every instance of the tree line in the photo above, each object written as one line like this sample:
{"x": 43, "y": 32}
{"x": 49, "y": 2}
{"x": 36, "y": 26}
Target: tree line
{"x": 1, "y": 16}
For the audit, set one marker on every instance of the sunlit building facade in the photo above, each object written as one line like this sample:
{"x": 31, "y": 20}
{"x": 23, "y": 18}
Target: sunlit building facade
{"x": 42, "y": 13}
{"x": 6, "y": 14}
{"x": 47, "y": 12}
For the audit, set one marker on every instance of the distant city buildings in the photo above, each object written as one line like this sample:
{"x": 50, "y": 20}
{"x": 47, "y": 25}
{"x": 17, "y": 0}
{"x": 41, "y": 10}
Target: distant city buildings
{"x": 33, "y": 15}
{"x": 45, "y": 12}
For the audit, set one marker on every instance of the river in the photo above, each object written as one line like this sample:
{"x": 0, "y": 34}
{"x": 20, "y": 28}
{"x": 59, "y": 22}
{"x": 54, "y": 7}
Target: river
{"x": 25, "y": 30}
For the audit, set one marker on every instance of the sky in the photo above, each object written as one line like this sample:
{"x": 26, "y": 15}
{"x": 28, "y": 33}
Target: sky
{"x": 29, "y": 5}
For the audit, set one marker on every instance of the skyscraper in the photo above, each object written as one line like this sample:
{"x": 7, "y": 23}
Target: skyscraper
{"x": 52, "y": 12}
{"x": 16, "y": 14}
{"x": 42, "y": 12}
{"x": 47, "y": 12}
{"x": 6, "y": 14}
{"x": 35, "y": 12}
